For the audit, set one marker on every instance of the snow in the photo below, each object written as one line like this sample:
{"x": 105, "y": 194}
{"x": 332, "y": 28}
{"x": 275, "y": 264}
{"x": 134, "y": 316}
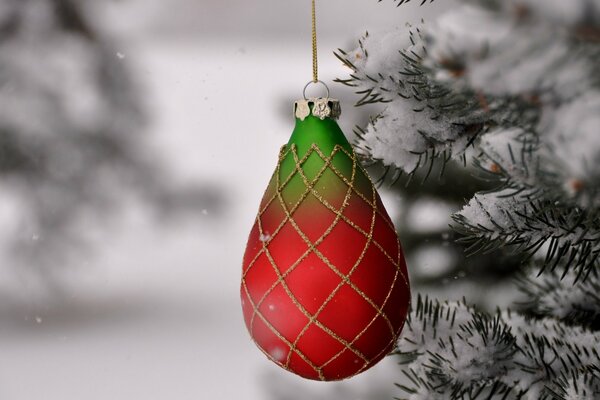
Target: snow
{"x": 451, "y": 316}
{"x": 557, "y": 333}
{"x": 400, "y": 135}
{"x": 566, "y": 299}
{"x": 491, "y": 210}
{"x": 561, "y": 296}
{"x": 581, "y": 389}
{"x": 500, "y": 213}
{"x": 512, "y": 151}
{"x": 452, "y": 349}
{"x": 379, "y": 58}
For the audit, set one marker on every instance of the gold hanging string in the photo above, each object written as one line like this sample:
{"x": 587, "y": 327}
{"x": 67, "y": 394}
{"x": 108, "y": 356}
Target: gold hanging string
{"x": 315, "y": 77}
{"x": 314, "y": 43}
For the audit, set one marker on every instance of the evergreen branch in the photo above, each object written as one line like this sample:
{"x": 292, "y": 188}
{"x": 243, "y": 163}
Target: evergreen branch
{"x": 423, "y": 118}
{"x": 519, "y": 83}
{"x": 559, "y": 294}
{"x": 501, "y": 219}
{"x": 452, "y": 351}
{"x": 578, "y": 385}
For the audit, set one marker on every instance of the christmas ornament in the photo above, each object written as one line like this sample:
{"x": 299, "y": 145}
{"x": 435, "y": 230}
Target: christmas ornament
{"x": 324, "y": 288}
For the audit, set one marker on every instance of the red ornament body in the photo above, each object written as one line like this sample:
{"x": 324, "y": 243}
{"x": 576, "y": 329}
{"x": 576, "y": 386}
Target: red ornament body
{"x": 325, "y": 288}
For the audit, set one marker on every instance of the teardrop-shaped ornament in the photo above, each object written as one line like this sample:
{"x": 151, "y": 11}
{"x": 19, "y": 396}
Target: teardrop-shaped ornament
{"x": 325, "y": 289}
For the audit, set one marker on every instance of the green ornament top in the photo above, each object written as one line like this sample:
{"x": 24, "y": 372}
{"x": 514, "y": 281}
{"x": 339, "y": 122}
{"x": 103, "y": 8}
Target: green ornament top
{"x": 316, "y": 125}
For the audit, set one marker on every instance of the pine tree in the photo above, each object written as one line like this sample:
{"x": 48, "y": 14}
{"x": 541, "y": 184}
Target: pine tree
{"x": 511, "y": 87}
{"x": 71, "y": 135}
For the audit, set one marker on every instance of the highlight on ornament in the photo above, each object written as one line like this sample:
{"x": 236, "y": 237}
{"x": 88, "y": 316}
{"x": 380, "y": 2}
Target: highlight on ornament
{"x": 325, "y": 289}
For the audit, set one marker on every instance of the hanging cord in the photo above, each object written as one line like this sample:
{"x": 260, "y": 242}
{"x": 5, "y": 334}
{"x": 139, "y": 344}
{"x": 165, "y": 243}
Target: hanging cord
{"x": 315, "y": 78}
{"x": 314, "y": 43}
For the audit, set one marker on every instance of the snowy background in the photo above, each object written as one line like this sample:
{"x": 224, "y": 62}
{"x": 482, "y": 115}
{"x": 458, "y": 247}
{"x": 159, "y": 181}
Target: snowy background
{"x": 151, "y": 310}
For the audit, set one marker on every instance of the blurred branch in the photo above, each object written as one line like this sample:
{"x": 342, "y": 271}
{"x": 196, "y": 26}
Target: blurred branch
{"x": 71, "y": 144}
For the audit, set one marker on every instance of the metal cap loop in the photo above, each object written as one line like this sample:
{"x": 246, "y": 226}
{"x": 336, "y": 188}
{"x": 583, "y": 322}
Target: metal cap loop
{"x": 315, "y": 82}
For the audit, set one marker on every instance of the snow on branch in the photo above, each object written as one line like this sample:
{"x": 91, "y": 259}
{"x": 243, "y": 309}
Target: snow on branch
{"x": 445, "y": 85}
{"x": 561, "y": 295}
{"x": 581, "y": 386}
{"x": 421, "y": 116}
{"x": 516, "y": 84}
{"x": 558, "y": 162}
{"x": 518, "y": 81}
{"x": 511, "y": 154}
{"x": 550, "y": 192}
{"x": 453, "y": 351}
{"x": 502, "y": 218}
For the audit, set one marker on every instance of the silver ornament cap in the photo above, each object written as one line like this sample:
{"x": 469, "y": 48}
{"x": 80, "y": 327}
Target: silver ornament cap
{"x": 320, "y": 107}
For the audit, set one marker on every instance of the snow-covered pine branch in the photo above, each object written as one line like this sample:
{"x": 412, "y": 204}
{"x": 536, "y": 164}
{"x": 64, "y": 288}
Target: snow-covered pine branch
{"x": 516, "y": 80}
{"x": 504, "y": 217}
{"x": 423, "y": 117}
{"x": 454, "y": 351}
{"x": 559, "y": 294}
